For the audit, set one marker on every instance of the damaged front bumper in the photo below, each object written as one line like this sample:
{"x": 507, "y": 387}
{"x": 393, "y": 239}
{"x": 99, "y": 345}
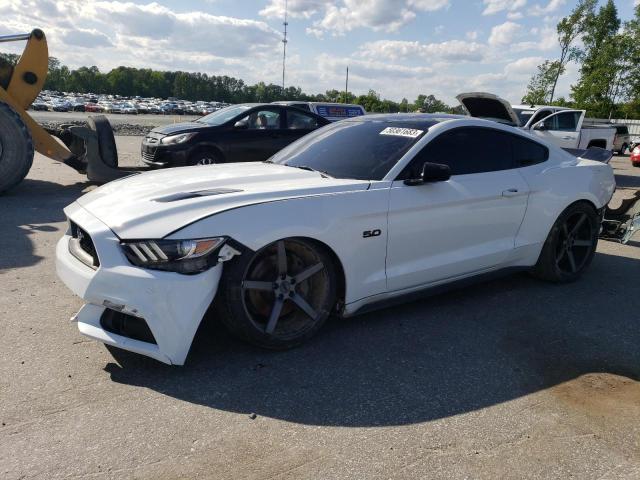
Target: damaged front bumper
{"x": 150, "y": 312}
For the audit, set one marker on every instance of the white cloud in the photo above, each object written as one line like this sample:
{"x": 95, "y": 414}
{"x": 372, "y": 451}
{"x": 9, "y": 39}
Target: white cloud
{"x": 86, "y": 38}
{"x": 495, "y": 6}
{"x": 552, "y": 6}
{"x": 473, "y": 35}
{"x": 343, "y": 16}
{"x": 523, "y": 66}
{"x": 547, "y": 41}
{"x": 504, "y": 34}
{"x": 153, "y": 35}
{"x": 452, "y": 50}
{"x": 116, "y": 26}
{"x": 295, "y": 8}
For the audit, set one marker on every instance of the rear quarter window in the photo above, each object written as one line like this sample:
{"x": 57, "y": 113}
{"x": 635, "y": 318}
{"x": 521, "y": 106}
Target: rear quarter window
{"x": 527, "y": 152}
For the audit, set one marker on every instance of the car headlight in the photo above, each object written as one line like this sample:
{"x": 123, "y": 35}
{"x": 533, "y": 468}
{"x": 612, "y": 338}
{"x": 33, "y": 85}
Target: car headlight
{"x": 177, "y": 139}
{"x": 181, "y": 256}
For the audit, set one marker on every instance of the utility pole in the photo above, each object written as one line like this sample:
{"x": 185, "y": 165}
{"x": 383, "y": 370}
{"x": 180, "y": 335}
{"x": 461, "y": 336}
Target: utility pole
{"x": 346, "y": 86}
{"x": 284, "y": 44}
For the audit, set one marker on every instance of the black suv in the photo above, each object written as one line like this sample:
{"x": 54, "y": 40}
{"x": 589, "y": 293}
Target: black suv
{"x": 239, "y": 133}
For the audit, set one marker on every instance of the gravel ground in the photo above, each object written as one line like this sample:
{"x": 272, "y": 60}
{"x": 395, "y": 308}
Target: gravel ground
{"x": 509, "y": 379}
{"x": 123, "y": 125}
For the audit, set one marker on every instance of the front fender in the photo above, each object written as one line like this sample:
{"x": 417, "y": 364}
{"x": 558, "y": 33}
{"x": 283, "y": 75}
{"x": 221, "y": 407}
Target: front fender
{"x": 337, "y": 220}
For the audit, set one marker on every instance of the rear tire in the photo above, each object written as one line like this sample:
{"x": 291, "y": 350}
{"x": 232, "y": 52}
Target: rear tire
{"x": 16, "y": 148}
{"x": 570, "y": 245}
{"x": 279, "y": 296}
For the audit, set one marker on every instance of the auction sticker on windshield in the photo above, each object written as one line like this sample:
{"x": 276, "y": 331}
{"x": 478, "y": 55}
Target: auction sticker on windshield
{"x": 402, "y": 132}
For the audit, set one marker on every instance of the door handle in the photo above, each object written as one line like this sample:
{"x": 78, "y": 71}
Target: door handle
{"x": 512, "y": 192}
{"x": 567, "y": 137}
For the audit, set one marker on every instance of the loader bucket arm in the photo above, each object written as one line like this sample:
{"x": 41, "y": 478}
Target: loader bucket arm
{"x": 21, "y": 84}
{"x": 89, "y": 150}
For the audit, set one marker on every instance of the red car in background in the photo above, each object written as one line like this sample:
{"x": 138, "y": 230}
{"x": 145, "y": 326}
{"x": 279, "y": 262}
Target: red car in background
{"x": 635, "y": 156}
{"x": 93, "y": 107}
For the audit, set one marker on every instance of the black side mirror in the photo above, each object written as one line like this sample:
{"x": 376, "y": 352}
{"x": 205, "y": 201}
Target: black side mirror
{"x": 539, "y": 126}
{"x": 431, "y": 172}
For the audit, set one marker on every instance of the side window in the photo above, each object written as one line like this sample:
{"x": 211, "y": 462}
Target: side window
{"x": 466, "y": 150}
{"x": 527, "y": 152}
{"x": 262, "y": 120}
{"x": 567, "y": 122}
{"x": 540, "y": 115}
{"x": 300, "y": 121}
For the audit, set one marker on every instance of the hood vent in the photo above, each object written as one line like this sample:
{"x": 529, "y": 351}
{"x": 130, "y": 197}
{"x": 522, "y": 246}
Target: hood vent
{"x": 176, "y": 197}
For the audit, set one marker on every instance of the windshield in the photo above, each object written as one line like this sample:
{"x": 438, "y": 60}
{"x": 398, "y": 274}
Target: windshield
{"x": 224, "y": 114}
{"x": 524, "y": 115}
{"x": 362, "y": 150}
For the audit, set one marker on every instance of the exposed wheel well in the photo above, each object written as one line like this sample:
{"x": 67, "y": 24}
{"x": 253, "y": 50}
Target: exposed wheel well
{"x": 341, "y": 287}
{"x": 585, "y": 201}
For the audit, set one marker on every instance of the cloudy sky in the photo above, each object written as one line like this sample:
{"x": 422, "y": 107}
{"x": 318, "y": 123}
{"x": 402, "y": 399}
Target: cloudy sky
{"x": 399, "y": 48}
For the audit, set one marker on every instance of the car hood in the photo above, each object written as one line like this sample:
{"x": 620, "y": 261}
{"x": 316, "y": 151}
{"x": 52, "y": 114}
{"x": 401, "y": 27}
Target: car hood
{"x": 180, "y": 128}
{"x": 489, "y": 106}
{"x": 157, "y": 203}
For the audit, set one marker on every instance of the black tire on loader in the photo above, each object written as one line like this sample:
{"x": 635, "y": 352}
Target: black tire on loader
{"x": 16, "y": 148}
{"x": 106, "y": 142}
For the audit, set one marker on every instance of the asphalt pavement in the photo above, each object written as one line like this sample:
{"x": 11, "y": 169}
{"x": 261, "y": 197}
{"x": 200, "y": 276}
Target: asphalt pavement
{"x": 511, "y": 379}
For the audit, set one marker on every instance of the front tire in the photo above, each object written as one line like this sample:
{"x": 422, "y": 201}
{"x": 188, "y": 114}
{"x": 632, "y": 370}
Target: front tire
{"x": 570, "y": 245}
{"x": 280, "y": 296}
{"x": 16, "y": 148}
{"x": 205, "y": 158}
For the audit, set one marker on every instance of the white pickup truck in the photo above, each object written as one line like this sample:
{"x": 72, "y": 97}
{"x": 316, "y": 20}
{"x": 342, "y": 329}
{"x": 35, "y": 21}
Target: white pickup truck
{"x": 562, "y": 126}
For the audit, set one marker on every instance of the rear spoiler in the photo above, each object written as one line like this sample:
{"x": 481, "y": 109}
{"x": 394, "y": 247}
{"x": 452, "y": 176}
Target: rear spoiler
{"x": 593, "y": 153}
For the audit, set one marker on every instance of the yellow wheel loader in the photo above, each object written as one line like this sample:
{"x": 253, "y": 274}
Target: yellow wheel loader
{"x": 89, "y": 150}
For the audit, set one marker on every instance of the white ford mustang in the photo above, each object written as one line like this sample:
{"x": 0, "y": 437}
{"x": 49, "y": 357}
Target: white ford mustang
{"x": 353, "y": 215}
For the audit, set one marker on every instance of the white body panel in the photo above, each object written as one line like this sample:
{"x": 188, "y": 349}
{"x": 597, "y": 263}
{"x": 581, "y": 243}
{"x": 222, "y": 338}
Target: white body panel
{"x": 430, "y": 234}
{"x": 490, "y": 205}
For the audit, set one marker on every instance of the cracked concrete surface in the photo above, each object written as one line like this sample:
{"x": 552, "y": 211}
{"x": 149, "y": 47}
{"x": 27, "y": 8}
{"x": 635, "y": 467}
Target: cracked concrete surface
{"x": 508, "y": 379}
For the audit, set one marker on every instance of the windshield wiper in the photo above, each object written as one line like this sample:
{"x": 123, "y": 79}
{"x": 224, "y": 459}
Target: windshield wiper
{"x": 305, "y": 167}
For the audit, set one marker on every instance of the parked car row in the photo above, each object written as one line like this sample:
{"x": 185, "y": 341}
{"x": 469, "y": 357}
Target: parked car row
{"x": 69, "y": 102}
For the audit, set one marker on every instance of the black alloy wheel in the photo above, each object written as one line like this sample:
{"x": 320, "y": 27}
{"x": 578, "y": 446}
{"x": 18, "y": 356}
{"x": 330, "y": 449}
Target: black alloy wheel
{"x": 287, "y": 291}
{"x": 575, "y": 243}
{"x": 570, "y": 245}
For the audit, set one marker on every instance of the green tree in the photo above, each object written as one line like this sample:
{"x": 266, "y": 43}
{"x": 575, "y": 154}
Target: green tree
{"x": 433, "y": 105}
{"x": 632, "y": 30}
{"x": 542, "y": 84}
{"x": 603, "y": 58}
{"x": 569, "y": 29}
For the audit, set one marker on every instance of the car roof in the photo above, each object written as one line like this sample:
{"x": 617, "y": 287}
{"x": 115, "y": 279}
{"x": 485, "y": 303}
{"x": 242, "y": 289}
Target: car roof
{"x": 405, "y": 117}
{"x": 536, "y": 107}
{"x": 304, "y": 102}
